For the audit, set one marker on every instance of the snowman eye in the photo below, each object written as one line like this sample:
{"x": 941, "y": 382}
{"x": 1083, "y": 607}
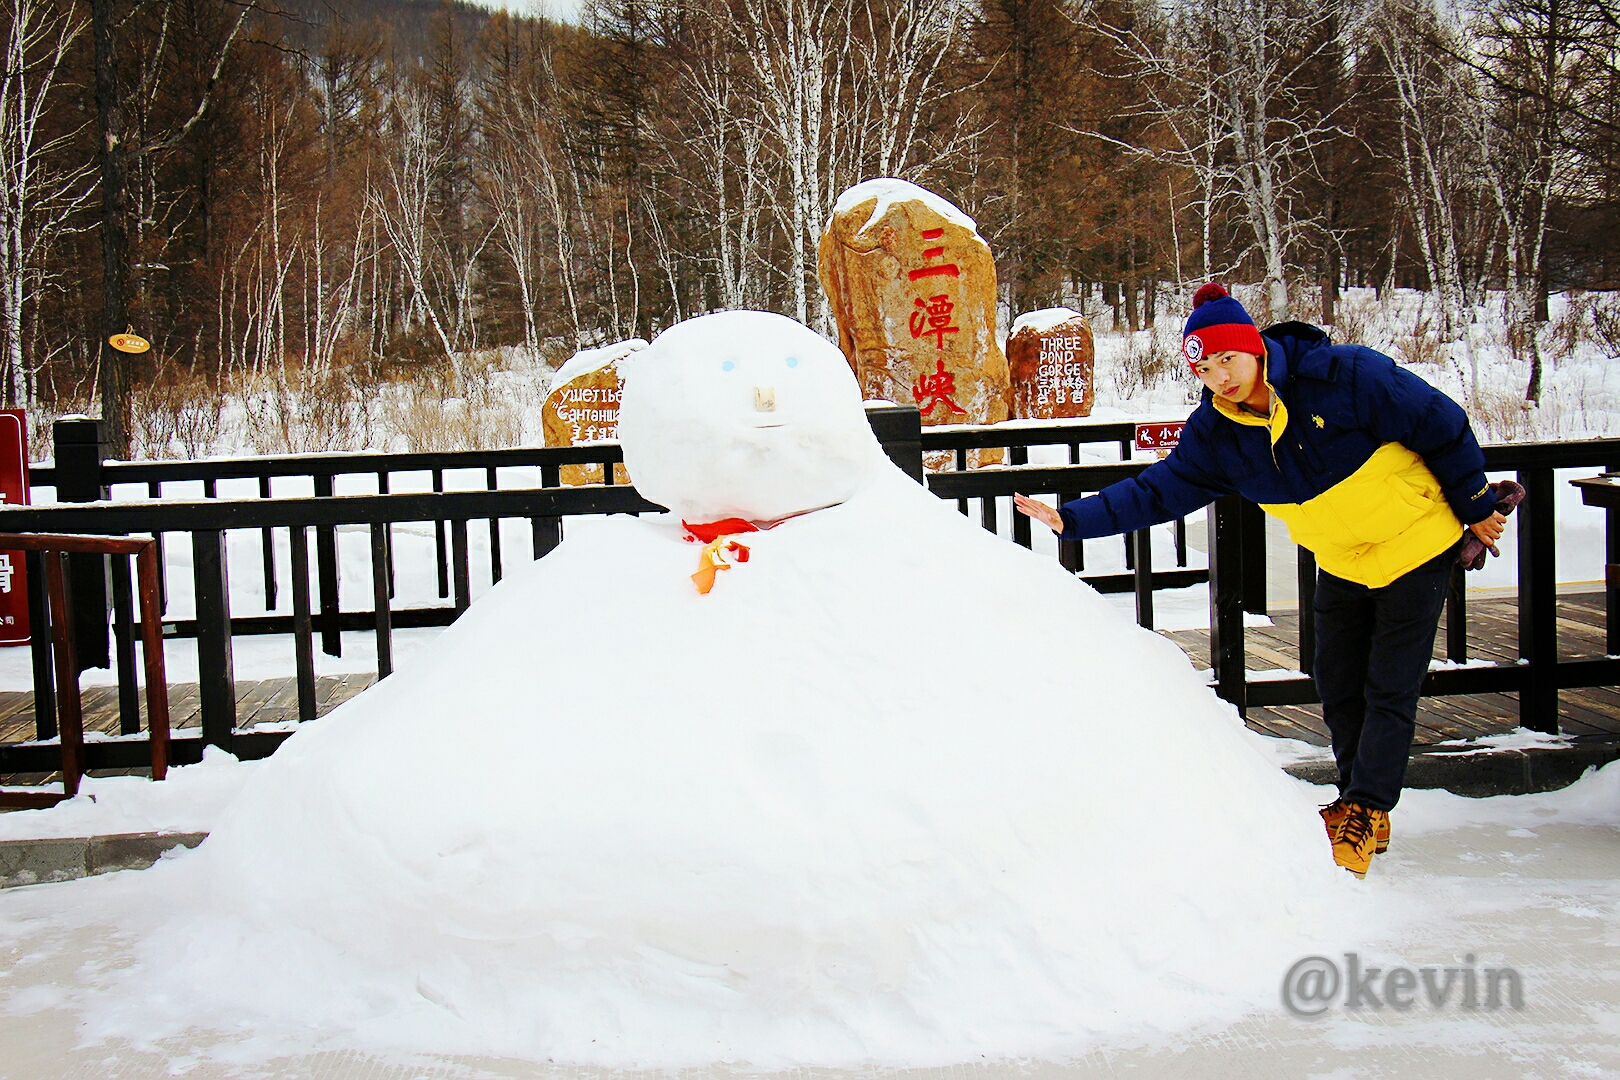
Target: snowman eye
{"x": 727, "y": 366}
{"x": 793, "y": 361}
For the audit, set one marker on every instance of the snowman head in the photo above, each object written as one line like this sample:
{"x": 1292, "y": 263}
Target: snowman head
{"x": 743, "y": 414}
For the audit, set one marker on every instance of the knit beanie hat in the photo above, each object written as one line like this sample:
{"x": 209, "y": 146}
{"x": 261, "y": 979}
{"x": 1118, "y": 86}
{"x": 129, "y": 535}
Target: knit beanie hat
{"x": 1218, "y": 323}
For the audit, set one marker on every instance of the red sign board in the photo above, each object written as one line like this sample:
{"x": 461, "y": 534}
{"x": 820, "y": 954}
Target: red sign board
{"x": 13, "y": 492}
{"x": 1159, "y": 436}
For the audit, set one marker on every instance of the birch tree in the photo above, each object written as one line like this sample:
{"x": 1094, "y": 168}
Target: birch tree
{"x": 800, "y": 52}
{"x": 402, "y": 203}
{"x": 1532, "y": 78}
{"x": 1241, "y": 62}
{"x": 1437, "y": 158}
{"x": 38, "y": 195}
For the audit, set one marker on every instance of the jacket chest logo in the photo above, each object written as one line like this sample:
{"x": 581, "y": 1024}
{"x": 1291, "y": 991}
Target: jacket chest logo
{"x": 1319, "y": 421}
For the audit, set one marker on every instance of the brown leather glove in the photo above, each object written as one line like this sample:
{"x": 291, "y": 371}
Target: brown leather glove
{"x": 1472, "y": 556}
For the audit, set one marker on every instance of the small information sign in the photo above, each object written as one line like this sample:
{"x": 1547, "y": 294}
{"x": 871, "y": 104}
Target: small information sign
{"x": 13, "y": 492}
{"x": 1159, "y": 436}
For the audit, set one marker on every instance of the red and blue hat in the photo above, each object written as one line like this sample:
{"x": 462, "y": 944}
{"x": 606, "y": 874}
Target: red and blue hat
{"x": 1218, "y": 324}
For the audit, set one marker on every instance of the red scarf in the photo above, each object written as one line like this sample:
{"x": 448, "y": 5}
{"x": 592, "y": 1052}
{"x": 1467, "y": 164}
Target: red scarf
{"x": 716, "y": 539}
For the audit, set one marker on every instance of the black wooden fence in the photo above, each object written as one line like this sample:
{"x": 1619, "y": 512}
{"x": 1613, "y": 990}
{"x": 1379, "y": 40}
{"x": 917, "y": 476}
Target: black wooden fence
{"x": 1236, "y": 550}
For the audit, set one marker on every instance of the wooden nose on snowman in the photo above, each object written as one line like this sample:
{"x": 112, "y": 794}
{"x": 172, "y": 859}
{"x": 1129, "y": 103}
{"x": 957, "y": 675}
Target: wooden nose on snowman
{"x": 764, "y": 399}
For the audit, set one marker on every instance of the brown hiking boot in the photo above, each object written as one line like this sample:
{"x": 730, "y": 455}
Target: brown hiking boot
{"x": 1354, "y": 841}
{"x": 1334, "y": 812}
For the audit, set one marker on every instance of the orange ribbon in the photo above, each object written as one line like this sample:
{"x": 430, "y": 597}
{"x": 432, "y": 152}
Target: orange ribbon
{"x": 717, "y": 540}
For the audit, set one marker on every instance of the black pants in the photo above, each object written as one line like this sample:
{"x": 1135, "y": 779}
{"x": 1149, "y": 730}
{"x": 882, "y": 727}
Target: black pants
{"x": 1372, "y": 651}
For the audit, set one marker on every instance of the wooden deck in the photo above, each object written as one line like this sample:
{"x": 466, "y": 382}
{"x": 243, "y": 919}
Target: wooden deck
{"x": 1493, "y": 635}
{"x": 266, "y": 701}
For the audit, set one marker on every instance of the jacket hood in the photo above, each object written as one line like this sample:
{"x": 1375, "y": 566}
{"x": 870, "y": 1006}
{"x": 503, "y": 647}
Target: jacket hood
{"x": 1288, "y": 343}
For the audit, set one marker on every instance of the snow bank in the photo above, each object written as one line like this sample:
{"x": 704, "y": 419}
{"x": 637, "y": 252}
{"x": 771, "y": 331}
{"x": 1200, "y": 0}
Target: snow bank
{"x": 190, "y": 800}
{"x": 1594, "y": 799}
{"x": 887, "y": 190}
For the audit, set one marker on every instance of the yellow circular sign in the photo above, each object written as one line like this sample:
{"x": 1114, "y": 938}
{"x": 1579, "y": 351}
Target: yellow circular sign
{"x": 129, "y": 343}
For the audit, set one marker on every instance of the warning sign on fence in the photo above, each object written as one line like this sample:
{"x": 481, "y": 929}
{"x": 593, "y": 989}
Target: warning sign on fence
{"x": 1159, "y": 436}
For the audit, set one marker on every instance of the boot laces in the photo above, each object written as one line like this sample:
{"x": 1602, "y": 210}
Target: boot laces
{"x": 1357, "y": 827}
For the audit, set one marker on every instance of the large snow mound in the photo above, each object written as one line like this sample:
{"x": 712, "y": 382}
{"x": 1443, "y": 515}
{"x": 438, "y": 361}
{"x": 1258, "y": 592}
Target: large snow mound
{"x": 895, "y": 791}
{"x": 816, "y": 816}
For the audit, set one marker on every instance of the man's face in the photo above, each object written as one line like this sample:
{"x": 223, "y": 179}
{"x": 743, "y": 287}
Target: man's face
{"x": 1231, "y": 375}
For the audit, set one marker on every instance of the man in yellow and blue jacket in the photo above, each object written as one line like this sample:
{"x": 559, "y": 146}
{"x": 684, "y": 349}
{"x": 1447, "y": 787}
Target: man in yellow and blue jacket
{"x": 1374, "y": 471}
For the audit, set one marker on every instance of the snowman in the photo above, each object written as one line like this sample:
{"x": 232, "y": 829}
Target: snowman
{"x": 768, "y": 427}
{"x": 891, "y": 791}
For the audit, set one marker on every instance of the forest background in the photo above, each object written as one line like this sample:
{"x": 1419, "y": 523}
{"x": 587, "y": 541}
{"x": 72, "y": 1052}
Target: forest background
{"x": 302, "y": 203}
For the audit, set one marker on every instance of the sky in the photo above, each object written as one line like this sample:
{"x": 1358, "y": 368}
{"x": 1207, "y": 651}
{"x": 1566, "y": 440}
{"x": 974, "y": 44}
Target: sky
{"x": 564, "y": 10}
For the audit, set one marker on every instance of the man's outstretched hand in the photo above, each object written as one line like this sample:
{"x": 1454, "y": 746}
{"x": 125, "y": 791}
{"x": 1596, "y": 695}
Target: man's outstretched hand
{"x": 1039, "y": 511}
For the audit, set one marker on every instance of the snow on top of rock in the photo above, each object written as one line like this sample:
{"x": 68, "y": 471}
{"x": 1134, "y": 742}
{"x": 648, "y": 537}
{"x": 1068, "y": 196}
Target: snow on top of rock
{"x": 588, "y": 360}
{"x": 888, "y": 190}
{"x": 1045, "y": 319}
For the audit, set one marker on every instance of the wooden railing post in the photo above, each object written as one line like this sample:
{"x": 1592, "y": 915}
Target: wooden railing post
{"x": 379, "y": 599}
{"x": 1253, "y": 543}
{"x": 1611, "y": 590}
{"x": 40, "y": 633}
{"x": 493, "y": 483}
{"x": 216, "y": 674}
{"x": 129, "y": 694}
{"x": 1226, "y": 600}
{"x": 1142, "y": 540}
{"x": 267, "y": 552}
{"x": 438, "y": 540}
{"x": 1538, "y": 601}
{"x": 458, "y": 556}
{"x": 1305, "y": 567}
{"x": 147, "y": 577}
{"x": 69, "y": 716}
{"x": 78, "y": 448}
{"x": 326, "y": 569}
{"x": 1019, "y": 455}
{"x": 547, "y": 531}
{"x": 303, "y": 636}
{"x": 1457, "y": 616}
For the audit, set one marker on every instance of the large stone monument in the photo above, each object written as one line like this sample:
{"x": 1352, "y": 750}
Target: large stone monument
{"x": 1052, "y": 359}
{"x": 913, "y": 288}
{"x": 583, "y": 405}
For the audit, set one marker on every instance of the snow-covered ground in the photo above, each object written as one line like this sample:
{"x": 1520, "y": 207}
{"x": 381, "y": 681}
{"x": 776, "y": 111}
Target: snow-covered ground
{"x": 1524, "y": 882}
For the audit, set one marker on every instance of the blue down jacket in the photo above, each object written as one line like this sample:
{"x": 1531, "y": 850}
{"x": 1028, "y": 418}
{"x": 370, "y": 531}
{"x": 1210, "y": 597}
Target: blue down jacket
{"x": 1373, "y": 469}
